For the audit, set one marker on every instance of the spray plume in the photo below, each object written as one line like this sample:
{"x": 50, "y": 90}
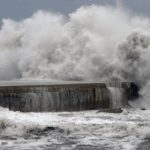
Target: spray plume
{"x": 95, "y": 43}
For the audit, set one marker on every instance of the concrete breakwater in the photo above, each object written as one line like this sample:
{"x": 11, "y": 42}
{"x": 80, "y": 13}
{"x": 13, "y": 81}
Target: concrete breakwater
{"x": 74, "y": 96}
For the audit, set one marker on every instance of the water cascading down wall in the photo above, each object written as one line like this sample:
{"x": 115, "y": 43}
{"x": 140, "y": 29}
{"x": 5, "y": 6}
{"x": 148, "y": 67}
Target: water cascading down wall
{"x": 64, "y": 97}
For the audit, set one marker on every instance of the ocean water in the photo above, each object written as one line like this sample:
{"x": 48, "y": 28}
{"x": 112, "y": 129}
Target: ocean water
{"x": 94, "y": 43}
{"x": 85, "y": 130}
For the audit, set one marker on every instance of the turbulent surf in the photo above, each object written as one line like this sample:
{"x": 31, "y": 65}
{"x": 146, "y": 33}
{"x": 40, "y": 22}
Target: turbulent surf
{"x": 94, "y": 43}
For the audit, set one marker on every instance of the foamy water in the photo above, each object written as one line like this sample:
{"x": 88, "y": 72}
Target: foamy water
{"x": 73, "y": 130}
{"x": 94, "y": 43}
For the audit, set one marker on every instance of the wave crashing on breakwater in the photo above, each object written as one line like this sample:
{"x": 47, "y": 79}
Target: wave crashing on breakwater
{"x": 80, "y": 47}
{"x": 95, "y": 43}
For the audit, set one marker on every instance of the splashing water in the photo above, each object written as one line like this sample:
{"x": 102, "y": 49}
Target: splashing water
{"x": 95, "y": 43}
{"x": 116, "y": 94}
{"x": 73, "y": 130}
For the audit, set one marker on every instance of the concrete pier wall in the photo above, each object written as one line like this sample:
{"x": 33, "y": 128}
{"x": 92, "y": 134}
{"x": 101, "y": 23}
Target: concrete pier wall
{"x": 64, "y": 97}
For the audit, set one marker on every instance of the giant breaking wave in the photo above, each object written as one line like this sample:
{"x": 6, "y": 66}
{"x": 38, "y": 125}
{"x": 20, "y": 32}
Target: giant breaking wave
{"x": 95, "y": 43}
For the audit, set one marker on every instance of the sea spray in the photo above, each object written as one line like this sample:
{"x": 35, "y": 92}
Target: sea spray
{"x": 95, "y": 43}
{"x": 82, "y": 47}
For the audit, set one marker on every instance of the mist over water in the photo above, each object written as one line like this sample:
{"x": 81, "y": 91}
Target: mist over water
{"x": 95, "y": 43}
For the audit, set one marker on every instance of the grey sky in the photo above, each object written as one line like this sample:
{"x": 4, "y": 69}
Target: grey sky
{"x": 19, "y": 9}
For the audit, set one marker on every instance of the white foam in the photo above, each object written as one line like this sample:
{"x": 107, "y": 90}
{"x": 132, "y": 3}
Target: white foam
{"x": 119, "y": 130}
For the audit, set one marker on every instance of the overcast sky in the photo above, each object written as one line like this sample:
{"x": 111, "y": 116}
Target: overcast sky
{"x": 19, "y": 9}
